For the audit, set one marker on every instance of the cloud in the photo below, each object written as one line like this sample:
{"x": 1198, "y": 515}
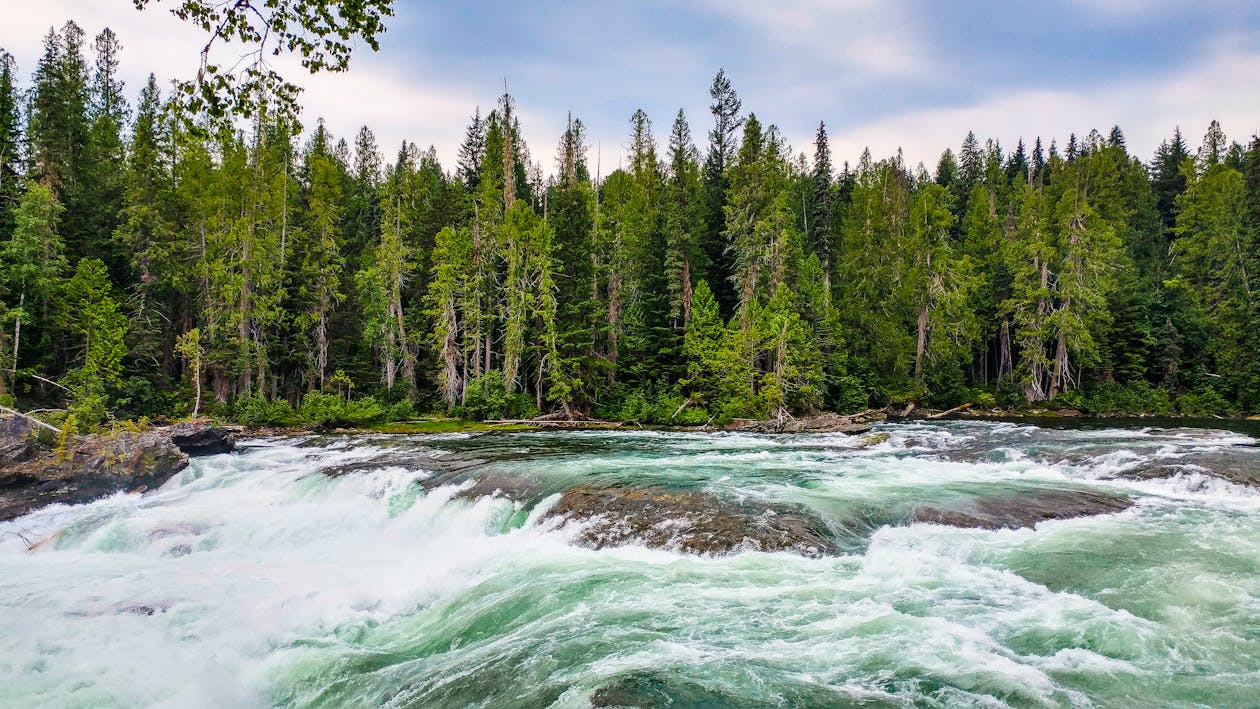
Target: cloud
{"x": 1219, "y": 87}
{"x": 863, "y": 38}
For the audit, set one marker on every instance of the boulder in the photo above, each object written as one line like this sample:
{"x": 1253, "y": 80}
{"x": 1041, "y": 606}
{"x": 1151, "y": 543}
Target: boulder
{"x": 91, "y": 467}
{"x": 822, "y": 423}
{"x": 19, "y": 440}
{"x": 1024, "y": 509}
{"x": 1235, "y": 466}
{"x": 688, "y": 521}
{"x": 203, "y": 439}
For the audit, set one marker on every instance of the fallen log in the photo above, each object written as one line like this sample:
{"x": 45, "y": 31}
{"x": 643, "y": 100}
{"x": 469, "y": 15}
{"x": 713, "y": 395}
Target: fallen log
{"x": 32, "y": 419}
{"x": 576, "y": 423}
{"x": 956, "y": 409}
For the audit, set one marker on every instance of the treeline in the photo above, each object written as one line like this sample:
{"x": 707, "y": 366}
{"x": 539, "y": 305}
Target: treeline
{"x": 141, "y": 262}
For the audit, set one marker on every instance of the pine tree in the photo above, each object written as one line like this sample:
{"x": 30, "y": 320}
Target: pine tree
{"x": 942, "y": 283}
{"x": 101, "y": 184}
{"x": 446, "y": 303}
{"x": 819, "y": 220}
{"x": 93, "y": 316}
{"x": 682, "y": 220}
{"x": 320, "y": 274}
{"x": 384, "y": 276}
{"x": 1167, "y": 179}
{"x": 722, "y": 146}
{"x": 472, "y": 152}
{"x": 10, "y": 142}
{"x": 569, "y": 212}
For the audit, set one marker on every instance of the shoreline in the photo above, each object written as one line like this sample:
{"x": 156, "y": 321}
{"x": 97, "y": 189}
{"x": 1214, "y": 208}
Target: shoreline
{"x": 1051, "y": 418}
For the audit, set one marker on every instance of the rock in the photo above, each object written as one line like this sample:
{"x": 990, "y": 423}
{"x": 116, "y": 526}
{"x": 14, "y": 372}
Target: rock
{"x": 822, "y": 423}
{"x": 873, "y": 439}
{"x": 689, "y": 521}
{"x": 93, "y": 467}
{"x": 1024, "y": 509}
{"x": 19, "y": 440}
{"x": 203, "y": 439}
{"x": 1234, "y": 464}
{"x": 1153, "y": 472}
{"x": 497, "y": 484}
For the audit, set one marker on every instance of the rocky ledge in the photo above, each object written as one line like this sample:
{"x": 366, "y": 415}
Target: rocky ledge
{"x": 33, "y": 474}
{"x": 822, "y": 423}
{"x": 1024, "y": 509}
{"x": 688, "y": 521}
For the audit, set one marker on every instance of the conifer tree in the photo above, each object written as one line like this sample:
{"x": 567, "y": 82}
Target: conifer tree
{"x": 34, "y": 260}
{"x": 94, "y": 317}
{"x": 10, "y": 142}
{"x": 723, "y": 143}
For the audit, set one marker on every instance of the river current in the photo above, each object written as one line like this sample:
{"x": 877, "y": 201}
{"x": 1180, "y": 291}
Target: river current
{"x": 348, "y": 571}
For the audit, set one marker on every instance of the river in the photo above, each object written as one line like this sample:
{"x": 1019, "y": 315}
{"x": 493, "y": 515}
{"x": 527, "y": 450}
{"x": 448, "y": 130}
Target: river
{"x": 349, "y": 571}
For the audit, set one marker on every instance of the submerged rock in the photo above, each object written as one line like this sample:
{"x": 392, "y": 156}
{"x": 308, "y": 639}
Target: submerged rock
{"x": 1226, "y": 465}
{"x": 689, "y": 521}
{"x": 498, "y": 484}
{"x": 1024, "y": 509}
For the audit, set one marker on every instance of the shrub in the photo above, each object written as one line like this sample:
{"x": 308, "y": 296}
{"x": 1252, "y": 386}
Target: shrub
{"x": 487, "y": 397}
{"x": 1204, "y": 401}
{"x": 257, "y": 411}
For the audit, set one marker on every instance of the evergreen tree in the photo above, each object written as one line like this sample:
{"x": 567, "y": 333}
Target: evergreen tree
{"x": 101, "y": 183}
{"x": 34, "y": 259}
{"x": 10, "y": 143}
{"x": 722, "y": 146}
{"x": 819, "y": 220}
{"x": 94, "y": 317}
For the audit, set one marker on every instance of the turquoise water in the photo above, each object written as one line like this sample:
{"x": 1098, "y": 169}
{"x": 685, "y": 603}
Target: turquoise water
{"x": 258, "y": 579}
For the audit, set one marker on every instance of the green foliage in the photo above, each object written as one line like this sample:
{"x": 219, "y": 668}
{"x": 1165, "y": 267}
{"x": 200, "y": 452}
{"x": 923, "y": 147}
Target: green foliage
{"x": 1205, "y": 401}
{"x": 327, "y": 410}
{"x": 1135, "y": 398}
{"x": 239, "y": 271}
{"x": 65, "y": 439}
{"x": 321, "y": 33}
{"x": 94, "y": 315}
{"x": 488, "y": 398}
{"x": 257, "y": 411}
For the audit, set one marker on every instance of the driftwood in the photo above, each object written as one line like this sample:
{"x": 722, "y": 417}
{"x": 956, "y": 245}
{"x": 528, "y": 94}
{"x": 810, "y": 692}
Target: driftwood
{"x": 42, "y": 379}
{"x": 32, "y": 419}
{"x": 956, "y": 409}
{"x": 556, "y": 423}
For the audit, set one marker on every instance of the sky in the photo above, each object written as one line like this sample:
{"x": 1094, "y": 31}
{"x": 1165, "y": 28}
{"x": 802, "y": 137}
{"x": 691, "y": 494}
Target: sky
{"x": 914, "y": 75}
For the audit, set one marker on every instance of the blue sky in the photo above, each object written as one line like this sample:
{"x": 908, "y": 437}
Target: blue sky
{"x": 899, "y": 73}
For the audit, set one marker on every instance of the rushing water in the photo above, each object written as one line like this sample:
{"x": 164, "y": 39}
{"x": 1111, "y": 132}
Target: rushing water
{"x": 259, "y": 579}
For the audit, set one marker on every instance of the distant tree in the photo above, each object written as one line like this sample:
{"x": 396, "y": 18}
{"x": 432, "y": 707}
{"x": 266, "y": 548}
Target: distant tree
{"x": 10, "y": 142}
{"x": 723, "y": 142}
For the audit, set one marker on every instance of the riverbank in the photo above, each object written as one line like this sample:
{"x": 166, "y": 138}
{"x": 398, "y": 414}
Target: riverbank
{"x": 38, "y": 469}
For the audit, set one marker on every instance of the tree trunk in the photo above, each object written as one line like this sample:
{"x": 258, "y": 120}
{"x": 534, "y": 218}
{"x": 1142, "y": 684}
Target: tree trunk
{"x": 686, "y": 291}
{"x": 922, "y": 345}
{"x": 1006, "y": 365}
{"x": 17, "y": 338}
{"x": 614, "y": 297}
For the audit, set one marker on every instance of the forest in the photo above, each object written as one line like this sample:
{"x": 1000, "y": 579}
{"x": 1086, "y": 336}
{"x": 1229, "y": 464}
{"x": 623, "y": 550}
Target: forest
{"x": 149, "y": 268}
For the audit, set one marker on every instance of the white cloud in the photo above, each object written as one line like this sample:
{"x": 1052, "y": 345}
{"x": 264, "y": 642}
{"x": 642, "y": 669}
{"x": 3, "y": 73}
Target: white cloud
{"x": 377, "y": 91}
{"x": 1220, "y": 87}
{"x": 868, "y": 37}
